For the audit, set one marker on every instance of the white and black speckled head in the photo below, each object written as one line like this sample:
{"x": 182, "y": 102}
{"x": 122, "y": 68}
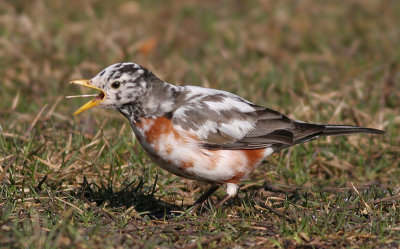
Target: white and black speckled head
{"x": 122, "y": 83}
{"x": 132, "y": 90}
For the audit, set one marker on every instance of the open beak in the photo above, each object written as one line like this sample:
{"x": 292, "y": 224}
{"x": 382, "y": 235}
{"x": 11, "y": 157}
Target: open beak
{"x": 94, "y": 102}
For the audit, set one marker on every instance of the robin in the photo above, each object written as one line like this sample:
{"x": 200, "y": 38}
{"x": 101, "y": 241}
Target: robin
{"x": 200, "y": 133}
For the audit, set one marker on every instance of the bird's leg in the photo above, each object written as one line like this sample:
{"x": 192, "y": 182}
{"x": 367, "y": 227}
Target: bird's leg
{"x": 203, "y": 197}
{"x": 231, "y": 191}
{"x": 223, "y": 200}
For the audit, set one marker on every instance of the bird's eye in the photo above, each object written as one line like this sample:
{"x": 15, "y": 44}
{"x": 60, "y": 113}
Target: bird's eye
{"x": 115, "y": 84}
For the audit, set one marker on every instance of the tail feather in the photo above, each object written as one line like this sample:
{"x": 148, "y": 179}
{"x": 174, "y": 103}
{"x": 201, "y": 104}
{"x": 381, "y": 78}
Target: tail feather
{"x": 306, "y": 132}
{"x": 332, "y": 130}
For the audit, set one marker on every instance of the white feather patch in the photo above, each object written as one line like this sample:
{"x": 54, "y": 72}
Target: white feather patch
{"x": 232, "y": 189}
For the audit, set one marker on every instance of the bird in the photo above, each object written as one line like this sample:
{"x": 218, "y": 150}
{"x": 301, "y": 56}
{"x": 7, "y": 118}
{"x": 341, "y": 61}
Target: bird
{"x": 199, "y": 133}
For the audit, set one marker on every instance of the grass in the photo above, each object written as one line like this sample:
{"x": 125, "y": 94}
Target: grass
{"x": 85, "y": 182}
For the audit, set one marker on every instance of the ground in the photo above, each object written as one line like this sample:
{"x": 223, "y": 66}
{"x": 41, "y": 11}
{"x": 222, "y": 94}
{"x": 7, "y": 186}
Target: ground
{"x": 84, "y": 182}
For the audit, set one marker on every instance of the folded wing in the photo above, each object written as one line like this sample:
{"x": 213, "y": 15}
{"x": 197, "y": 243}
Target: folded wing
{"x": 225, "y": 121}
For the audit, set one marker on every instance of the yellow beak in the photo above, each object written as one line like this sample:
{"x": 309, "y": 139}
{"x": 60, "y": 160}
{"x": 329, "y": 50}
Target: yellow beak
{"x": 93, "y": 102}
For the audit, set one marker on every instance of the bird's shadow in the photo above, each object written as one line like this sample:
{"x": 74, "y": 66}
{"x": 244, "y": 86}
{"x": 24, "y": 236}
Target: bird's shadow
{"x": 134, "y": 194}
{"x": 140, "y": 196}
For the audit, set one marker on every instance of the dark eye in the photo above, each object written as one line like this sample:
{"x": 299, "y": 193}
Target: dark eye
{"x": 115, "y": 84}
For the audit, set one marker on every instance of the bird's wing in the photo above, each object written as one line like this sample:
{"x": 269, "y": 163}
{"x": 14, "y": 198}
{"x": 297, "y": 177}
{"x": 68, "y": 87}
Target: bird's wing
{"x": 224, "y": 120}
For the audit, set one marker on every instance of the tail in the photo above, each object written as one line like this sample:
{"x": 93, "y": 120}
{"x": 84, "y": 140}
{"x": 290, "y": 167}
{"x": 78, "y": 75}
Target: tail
{"x": 305, "y": 132}
{"x": 332, "y": 130}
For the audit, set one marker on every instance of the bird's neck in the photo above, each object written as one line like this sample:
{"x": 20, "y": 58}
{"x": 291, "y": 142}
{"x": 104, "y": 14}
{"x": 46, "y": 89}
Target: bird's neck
{"x": 160, "y": 99}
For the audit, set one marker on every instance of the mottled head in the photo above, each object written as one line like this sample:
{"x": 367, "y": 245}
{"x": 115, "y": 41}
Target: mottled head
{"x": 120, "y": 84}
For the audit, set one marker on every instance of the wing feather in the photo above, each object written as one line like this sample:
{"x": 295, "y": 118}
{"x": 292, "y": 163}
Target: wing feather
{"x": 224, "y": 120}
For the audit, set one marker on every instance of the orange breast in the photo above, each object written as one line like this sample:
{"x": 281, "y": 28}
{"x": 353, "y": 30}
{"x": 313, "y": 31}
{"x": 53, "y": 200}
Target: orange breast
{"x": 155, "y": 130}
{"x": 155, "y": 127}
{"x": 181, "y": 153}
